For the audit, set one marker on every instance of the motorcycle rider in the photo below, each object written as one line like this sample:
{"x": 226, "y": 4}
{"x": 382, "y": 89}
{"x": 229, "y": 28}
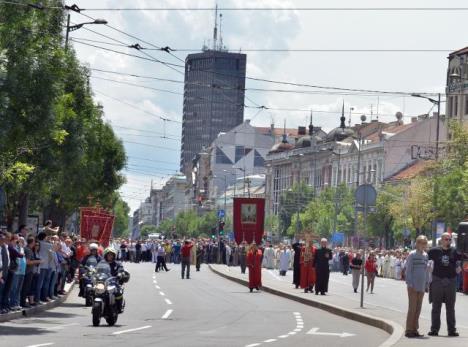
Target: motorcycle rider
{"x": 92, "y": 259}
{"x": 117, "y": 270}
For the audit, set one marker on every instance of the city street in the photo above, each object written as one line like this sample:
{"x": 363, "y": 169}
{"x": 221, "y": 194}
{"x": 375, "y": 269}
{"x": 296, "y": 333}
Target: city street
{"x": 206, "y": 310}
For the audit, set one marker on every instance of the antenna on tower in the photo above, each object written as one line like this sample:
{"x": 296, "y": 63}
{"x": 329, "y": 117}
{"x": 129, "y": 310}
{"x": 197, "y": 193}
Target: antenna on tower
{"x": 215, "y": 30}
{"x": 220, "y": 31}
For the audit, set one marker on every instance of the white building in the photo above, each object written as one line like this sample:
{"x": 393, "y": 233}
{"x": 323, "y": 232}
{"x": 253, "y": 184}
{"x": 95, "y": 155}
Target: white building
{"x": 379, "y": 149}
{"x": 238, "y": 153}
{"x": 173, "y": 197}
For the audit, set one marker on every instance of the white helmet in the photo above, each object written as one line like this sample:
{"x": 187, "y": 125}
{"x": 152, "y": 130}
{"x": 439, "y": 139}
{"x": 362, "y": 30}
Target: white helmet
{"x": 93, "y": 246}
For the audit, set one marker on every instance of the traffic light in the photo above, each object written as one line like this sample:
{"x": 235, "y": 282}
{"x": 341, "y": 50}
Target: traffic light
{"x": 213, "y": 233}
{"x": 221, "y": 228}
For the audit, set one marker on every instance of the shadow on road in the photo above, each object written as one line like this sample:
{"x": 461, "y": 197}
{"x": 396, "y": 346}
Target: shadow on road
{"x": 11, "y": 330}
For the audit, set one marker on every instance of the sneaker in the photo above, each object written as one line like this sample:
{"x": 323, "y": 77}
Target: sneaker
{"x": 433, "y": 333}
{"x": 453, "y": 334}
{"x": 355, "y": 290}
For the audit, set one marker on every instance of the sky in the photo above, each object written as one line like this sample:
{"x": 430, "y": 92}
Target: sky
{"x": 148, "y": 120}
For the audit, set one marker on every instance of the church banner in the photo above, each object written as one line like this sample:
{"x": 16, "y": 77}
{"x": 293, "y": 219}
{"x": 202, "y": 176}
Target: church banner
{"x": 249, "y": 217}
{"x": 96, "y": 224}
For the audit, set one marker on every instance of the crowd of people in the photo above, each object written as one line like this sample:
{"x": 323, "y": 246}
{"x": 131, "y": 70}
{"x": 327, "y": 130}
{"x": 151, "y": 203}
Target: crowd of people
{"x": 34, "y": 268}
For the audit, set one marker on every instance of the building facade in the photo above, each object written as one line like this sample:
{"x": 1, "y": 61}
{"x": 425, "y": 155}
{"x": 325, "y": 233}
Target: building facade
{"x": 457, "y": 85}
{"x": 214, "y": 92}
{"x": 366, "y": 153}
{"x": 173, "y": 197}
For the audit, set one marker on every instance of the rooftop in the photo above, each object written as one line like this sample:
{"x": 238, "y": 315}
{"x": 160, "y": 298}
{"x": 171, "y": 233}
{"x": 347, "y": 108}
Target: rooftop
{"x": 460, "y": 51}
{"x": 412, "y": 170}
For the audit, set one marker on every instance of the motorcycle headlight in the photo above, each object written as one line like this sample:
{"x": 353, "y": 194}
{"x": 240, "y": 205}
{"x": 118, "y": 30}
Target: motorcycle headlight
{"x": 111, "y": 288}
{"x": 100, "y": 288}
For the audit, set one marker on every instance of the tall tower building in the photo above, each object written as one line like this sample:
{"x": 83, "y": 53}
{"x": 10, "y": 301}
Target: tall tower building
{"x": 213, "y": 97}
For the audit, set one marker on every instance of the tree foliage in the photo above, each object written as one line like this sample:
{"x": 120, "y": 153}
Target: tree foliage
{"x": 56, "y": 150}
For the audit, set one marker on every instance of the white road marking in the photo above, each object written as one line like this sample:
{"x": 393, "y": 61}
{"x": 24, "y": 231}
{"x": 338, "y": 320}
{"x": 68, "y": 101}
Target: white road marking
{"x": 270, "y": 340}
{"x": 131, "y": 330}
{"x": 167, "y": 314}
{"x": 315, "y": 331}
{"x": 59, "y": 327}
{"x": 292, "y": 333}
{"x": 296, "y": 313}
{"x": 161, "y": 293}
{"x": 42, "y": 344}
{"x": 155, "y": 281}
{"x": 283, "y": 336}
{"x": 253, "y": 345}
{"x": 157, "y": 287}
{"x": 168, "y": 301}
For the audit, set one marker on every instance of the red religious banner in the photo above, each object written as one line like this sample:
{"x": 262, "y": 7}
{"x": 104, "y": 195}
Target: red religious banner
{"x": 96, "y": 224}
{"x": 249, "y": 216}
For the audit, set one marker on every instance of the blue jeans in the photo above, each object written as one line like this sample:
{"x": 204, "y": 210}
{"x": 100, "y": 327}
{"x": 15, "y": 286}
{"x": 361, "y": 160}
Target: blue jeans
{"x": 42, "y": 282}
{"x": 53, "y": 281}
{"x": 16, "y": 290}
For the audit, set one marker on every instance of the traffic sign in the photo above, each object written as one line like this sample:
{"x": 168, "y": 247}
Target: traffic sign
{"x": 221, "y": 213}
{"x": 366, "y": 195}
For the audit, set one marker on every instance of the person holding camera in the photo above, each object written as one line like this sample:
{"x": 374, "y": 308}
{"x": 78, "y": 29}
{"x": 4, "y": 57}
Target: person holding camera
{"x": 443, "y": 288}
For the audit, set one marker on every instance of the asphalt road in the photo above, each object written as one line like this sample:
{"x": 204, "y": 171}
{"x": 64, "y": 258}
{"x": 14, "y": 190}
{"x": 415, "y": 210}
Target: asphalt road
{"x": 206, "y": 310}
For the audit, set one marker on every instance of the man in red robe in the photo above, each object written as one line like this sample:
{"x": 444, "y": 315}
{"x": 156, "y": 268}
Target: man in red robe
{"x": 307, "y": 262}
{"x": 254, "y": 263}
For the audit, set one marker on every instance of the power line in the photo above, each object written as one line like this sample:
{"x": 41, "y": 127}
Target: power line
{"x": 286, "y": 50}
{"x": 137, "y": 108}
{"x": 305, "y": 9}
{"x": 296, "y": 84}
{"x": 136, "y": 46}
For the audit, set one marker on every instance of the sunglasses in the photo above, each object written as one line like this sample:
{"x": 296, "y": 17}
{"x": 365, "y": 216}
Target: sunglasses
{"x": 447, "y": 239}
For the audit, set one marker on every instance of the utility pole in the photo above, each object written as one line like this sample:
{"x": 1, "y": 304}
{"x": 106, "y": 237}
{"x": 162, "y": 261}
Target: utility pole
{"x": 67, "y": 32}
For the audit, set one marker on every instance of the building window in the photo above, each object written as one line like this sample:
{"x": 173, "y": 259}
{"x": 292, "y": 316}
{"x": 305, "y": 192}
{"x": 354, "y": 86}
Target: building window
{"x": 455, "y": 105}
{"x": 239, "y": 153}
{"x": 258, "y": 160}
{"x": 221, "y": 157}
{"x": 466, "y": 104}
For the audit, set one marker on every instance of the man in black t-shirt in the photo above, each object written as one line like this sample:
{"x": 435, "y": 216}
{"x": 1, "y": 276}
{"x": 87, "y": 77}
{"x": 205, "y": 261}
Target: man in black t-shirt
{"x": 443, "y": 288}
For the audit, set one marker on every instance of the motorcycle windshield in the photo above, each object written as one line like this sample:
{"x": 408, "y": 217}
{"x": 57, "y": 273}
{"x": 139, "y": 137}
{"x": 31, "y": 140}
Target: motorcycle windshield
{"x": 103, "y": 268}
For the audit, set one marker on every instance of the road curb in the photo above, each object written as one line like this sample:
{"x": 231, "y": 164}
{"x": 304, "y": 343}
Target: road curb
{"x": 394, "y": 329}
{"x": 37, "y": 309}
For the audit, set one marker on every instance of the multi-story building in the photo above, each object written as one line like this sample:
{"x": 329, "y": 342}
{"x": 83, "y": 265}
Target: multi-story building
{"x": 174, "y": 197}
{"x": 157, "y": 199}
{"x": 213, "y": 99}
{"x": 240, "y": 153}
{"x": 457, "y": 85}
{"x": 146, "y": 212}
{"x": 366, "y": 153}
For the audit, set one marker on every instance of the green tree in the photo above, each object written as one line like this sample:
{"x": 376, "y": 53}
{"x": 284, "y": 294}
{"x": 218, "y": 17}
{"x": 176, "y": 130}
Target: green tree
{"x": 291, "y": 202}
{"x": 148, "y": 229}
{"x": 121, "y": 211}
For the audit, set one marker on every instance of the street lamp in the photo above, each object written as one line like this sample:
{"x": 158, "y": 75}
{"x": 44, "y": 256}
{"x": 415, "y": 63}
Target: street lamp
{"x": 435, "y": 102}
{"x": 436, "y": 187}
{"x": 78, "y": 26}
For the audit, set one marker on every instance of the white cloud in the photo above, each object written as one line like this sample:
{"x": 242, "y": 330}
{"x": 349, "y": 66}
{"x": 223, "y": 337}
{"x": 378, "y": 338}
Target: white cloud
{"x": 273, "y": 29}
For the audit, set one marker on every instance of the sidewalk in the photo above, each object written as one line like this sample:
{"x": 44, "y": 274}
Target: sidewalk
{"x": 386, "y": 309}
{"x": 32, "y": 311}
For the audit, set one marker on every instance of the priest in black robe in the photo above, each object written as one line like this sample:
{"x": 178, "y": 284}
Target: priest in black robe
{"x": 322, "y": 267}
{"x": 297, "y": 264}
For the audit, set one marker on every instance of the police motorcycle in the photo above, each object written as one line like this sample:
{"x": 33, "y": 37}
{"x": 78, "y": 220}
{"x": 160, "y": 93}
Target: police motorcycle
{"x": 108, "y": 289}
{"x": 88, "y": 284}
{"x": 87, "y": 273}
